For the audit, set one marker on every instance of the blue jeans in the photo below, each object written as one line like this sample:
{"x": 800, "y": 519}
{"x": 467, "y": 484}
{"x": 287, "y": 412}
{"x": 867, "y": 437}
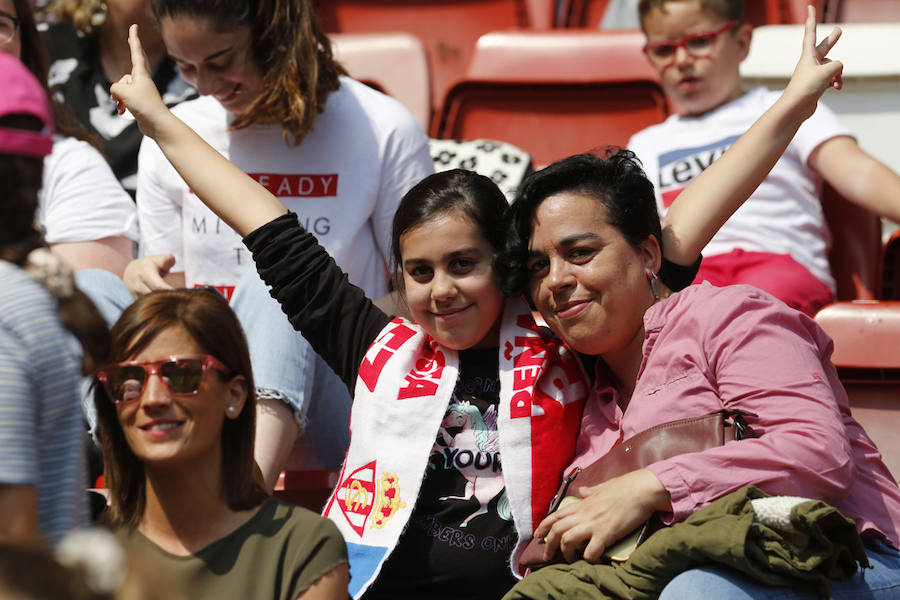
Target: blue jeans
{"x": 882, "y": 581}
{"x": 282, "y": 361}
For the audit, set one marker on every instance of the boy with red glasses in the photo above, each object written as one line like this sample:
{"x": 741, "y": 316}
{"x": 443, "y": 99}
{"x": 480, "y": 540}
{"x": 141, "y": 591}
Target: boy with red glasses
{"x": 778, "y": 240}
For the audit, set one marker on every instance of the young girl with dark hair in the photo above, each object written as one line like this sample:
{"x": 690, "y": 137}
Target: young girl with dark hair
{"x": 424, "y": 502}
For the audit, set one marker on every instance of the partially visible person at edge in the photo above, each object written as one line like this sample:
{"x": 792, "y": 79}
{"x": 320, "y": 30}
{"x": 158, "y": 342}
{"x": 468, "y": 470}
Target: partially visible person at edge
{"x": 42, "y": 460}
{"x": 276, "y": 103}
{"x": 585, "y": 235}
{"x": 88, "y": 219}
{"x": 778, "y": 241}
{"x": 474, "y": 367}
{"x": 176, "y": 413}
{"x": 87, "y": 53}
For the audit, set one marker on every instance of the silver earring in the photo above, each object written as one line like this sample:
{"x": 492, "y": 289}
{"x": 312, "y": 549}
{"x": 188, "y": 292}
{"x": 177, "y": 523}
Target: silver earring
{"x": 231, "y": 409}
{"x": 653, "y": 287}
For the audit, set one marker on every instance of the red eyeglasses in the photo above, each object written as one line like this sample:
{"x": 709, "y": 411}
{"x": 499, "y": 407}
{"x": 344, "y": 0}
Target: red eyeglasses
{"x": 698, "y": 45}
{"x": 182, "y": 375}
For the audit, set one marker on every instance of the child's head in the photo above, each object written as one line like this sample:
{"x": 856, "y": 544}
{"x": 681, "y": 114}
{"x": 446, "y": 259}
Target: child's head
{"x": 445, "y": 233}
{"x": 697, "y": 47}
{"x": 265, "y": 61}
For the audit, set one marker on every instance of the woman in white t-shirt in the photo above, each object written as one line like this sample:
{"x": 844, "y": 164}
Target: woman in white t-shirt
{"x": 277, "y": 104}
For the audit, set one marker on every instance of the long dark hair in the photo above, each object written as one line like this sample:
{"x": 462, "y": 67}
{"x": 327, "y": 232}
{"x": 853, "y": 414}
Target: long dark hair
{"x": 293, "y": 55}
{"x": 206, "y": 316}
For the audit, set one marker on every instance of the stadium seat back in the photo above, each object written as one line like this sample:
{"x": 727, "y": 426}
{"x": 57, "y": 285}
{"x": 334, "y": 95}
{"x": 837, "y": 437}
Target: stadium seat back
{"x": 867, "y": 355}
{"x": 448, "y": 28}
{"x": 864, "y": 11}
{"x": 394, "y": 63}
{"x": 555, "y": 93}
{"x": 856, "y": 247}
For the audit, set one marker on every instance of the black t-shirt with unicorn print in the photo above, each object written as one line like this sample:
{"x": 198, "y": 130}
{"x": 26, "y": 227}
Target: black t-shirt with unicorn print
{"x": 461, "y": 533}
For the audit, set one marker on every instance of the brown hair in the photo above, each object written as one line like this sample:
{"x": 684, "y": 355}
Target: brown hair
{"x": 730, "y": 10}
{"x": 293, "y": 55}
{"x": 207, "y": 317}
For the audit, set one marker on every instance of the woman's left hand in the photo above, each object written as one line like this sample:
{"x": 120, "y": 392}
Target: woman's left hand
{"x": 608, "y": 512}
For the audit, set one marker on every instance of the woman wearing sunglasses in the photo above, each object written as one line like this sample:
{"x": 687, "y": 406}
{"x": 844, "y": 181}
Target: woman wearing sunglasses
{"x": 174, "y": 408}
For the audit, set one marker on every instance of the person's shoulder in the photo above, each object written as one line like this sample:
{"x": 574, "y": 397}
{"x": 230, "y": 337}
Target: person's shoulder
{"x": 201, "y": 110}
{"x": 380, "y": 108}
{"x": 703, "y": 291}
{"x": 22, "y": 296}
{"x": 71, "y": 148}
{"x": 715, "y": 302}
{"x": 758, "y": 97}
{"x": 24, "y": 284}
{"x": 654, "y": 132}
{"x": 301, "y": 518}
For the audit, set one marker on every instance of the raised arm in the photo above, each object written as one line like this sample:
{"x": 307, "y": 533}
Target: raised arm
{"x": 242, "y": 203}
{"x": 713, "y": 196}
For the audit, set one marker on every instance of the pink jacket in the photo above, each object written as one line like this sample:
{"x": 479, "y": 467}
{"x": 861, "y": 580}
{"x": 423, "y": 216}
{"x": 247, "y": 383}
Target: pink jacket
{"x": 738, "y": 347}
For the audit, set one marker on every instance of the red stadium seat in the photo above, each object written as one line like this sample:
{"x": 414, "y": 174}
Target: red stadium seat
{"x": 555, "y": 93}
{"x": 541, "y": 13}
{"x": 890, "y": 268}
{"x": 867, "y": 354}
{"x": 856, "y": 247}
{"x": 394, "y": 63}
{"x": 864, "y": 11}
{"x": 793, "y": 12}
{"x": 447, "y": 28}
{"x": 584, "y": 13}
{"x": 865, "y": 333}
{"x": 309, "y": 489}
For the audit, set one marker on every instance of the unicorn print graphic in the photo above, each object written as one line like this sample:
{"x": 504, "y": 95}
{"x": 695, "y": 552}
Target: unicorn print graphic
{"x": 475, "y": 452}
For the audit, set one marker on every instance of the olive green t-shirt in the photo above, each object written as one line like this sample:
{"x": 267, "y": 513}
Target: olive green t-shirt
{"x": 277, "y": 555}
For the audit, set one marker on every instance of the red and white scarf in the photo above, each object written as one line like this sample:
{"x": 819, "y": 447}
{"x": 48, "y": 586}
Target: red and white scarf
{"x": 403, "y": 389}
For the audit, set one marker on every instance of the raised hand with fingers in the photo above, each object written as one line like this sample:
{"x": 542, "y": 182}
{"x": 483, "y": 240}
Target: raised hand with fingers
{"x": 815, "y": 72}
{"x": 136, "y": 91}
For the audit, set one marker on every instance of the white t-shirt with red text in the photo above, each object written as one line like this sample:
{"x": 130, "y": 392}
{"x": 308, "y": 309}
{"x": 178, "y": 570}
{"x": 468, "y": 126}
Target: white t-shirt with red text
{"x": 344, "y": 181}
{"x": 784, "y": 215}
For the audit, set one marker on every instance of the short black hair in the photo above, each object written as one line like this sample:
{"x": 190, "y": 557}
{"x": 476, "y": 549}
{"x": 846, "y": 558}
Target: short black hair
{"x": 615, "y": 179}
